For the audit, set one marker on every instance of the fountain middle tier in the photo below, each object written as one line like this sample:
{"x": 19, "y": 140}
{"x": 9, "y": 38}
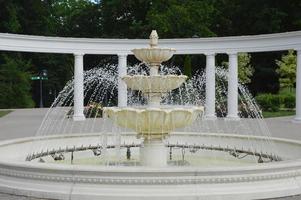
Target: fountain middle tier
{"x": 154, "y": 84}
{"x": 153, "y": 122}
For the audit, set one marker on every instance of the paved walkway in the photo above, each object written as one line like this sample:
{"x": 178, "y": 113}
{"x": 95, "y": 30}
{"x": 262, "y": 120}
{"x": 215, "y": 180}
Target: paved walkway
{"x": 25, "y": 122}
{"x": 21, "y": 123}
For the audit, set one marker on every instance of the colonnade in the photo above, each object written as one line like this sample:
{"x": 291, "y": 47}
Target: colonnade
{"x": 121, "y": 47}
{"x": 210, "y": 86}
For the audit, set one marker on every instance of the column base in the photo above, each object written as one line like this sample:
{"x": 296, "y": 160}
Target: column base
{"x": 153, "y": 154}
{"x": 210, "y": 117}
{"x": 297, "y": 120}
{"x": 79, "y": 117}
{"x": 232, "y": 117}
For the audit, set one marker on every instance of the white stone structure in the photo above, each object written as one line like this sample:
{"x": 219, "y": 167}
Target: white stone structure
{"x": 121, "y": 47}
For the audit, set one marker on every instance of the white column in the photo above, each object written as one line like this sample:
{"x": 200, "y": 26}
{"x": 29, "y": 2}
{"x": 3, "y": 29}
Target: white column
{"x": 122, "y": 88}
{"x": 298, "y": 88}
{"x": 233, "y": 87}
{"x": 210, "y": 86}
{"x": 78, "y": 87}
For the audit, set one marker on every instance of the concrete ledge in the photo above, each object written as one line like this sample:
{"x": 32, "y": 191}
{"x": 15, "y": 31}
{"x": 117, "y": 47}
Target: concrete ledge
{"x": 62, "y": 181}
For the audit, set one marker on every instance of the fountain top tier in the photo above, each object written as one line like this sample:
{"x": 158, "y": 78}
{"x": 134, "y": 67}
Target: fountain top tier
{"x": 154, "y": 85}
{"x": 153, "y": 56}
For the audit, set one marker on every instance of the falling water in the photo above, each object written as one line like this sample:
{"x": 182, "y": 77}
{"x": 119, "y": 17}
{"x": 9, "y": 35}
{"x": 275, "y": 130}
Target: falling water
{"x": 100, "y": 90}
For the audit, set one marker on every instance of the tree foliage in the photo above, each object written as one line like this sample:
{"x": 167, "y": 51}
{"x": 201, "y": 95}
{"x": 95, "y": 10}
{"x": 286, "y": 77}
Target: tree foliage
{"x": 245, "y": 69}
{"x": 75, "y": 18}
{"x": 287, "y": 70}
{"x": 125, "y": 19}
{"x": 15, "y": 82}
{"x": 176, "y": 18}
{"x": 187, "y": 66}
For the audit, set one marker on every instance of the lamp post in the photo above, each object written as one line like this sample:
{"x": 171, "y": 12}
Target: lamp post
{"x": 43, "y": 76}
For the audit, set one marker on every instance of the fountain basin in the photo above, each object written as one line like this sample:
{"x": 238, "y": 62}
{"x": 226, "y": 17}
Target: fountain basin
{"x": 154, "y": 84}
{"x": 62, "y": 181}
{"x": 153, "y": 56}
{"x": 153, "y": 122}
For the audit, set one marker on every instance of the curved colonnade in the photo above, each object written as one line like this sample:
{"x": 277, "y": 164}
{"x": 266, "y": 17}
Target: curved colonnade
{"x": 122, "y": 47}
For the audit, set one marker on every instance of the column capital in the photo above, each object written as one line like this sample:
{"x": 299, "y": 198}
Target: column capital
{"x": 78, "y": 54}
{"x": 232, "y": 53}
{"x": 122, "y": 55}
{"x": 210, "y": 54}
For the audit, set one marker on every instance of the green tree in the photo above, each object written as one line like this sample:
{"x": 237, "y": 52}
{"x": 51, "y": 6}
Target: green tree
{"x": 245, "y": 69}
{"x": 236, "y": 17}
{"x": 125, "y": 19}
{"x": 187, "y": 66}
{"x": 287, "y": 70}
{"x": 177, "y": 18}
{"x": 75, "y": 18}
{"x": 15, "y": 84}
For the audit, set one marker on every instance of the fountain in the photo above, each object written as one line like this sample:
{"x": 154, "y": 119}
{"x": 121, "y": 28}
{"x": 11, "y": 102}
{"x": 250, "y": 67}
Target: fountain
{"x": 153, "y": 122}
{"x": 160, "y": 149}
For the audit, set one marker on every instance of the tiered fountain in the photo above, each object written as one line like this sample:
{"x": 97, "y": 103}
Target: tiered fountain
{"x": 155, "y": 121}
{"x": 228, "y": 161}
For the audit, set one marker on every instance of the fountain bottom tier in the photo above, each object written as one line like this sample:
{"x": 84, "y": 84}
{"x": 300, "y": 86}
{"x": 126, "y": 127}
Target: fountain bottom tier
{"x": 153, "y": 122}
{"x": 153, "y": 125}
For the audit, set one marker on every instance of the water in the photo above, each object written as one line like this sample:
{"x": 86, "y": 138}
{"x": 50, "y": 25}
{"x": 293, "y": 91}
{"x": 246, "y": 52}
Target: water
{"x": 100, "y": 90}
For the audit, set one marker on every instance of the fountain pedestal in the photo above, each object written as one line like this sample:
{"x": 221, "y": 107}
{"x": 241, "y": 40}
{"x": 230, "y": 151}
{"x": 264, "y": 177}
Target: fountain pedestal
{"x": 153, "y": 153}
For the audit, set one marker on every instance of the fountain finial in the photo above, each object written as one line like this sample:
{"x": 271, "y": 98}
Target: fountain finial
{"x": 153, "y": 39}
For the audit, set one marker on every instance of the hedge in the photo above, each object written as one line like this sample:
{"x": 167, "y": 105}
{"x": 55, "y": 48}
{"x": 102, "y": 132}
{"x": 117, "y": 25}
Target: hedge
{"x": 273, "y": 102}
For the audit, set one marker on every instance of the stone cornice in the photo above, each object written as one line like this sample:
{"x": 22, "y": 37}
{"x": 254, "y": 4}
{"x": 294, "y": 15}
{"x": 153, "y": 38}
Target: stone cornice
{"x": 256, "y": 43}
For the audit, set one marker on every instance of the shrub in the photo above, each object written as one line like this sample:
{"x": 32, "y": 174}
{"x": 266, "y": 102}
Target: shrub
{"x": 289, "y": 101}
{"x": 93, "y": 110}
{"x": 269, "y": 102}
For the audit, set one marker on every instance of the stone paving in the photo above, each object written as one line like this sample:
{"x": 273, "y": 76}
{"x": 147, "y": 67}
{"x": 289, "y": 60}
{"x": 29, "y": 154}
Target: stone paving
{"x": 25, "y": 123}
{"x": 21, "y": 123}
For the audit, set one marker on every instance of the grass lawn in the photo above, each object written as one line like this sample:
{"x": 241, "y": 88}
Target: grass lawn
{"x": 280, "y": 113}
{"x": 4, "y": 112}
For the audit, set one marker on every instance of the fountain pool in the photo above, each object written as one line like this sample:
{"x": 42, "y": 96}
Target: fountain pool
{"x": 163, "y": 148}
